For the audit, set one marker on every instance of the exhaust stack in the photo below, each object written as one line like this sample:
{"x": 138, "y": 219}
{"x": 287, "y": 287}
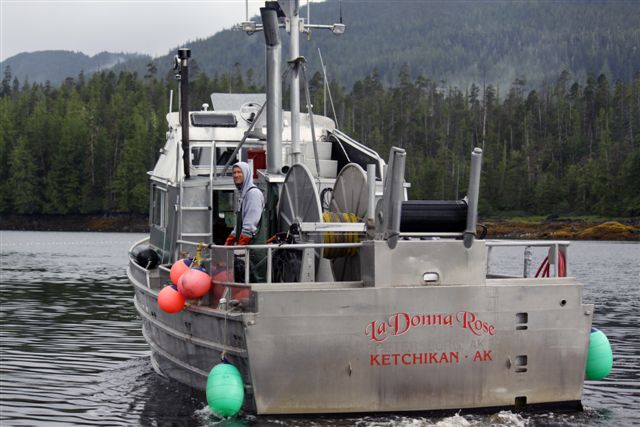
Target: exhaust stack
{"x": 474, "y": 196}
{"x": 182, "y": 63}
{"x": 274, "y": 89}
{"x": 393, "y": 196}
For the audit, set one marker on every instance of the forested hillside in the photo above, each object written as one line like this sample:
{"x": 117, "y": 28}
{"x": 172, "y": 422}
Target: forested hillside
{"x": 458, "y": 42}
{"x": 56, "y": 65}
{"x": 571, "y": 146}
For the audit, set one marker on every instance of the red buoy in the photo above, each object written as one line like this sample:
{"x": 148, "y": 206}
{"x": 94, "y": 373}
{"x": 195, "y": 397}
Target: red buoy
{"x": 194, "y": 283}
{"x": 179, "y": 268}
{"x": 170, "y": 300}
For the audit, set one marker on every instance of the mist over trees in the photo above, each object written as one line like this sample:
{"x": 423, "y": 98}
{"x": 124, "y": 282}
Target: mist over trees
{"x": 460, "y": 42}
{"x": 571, "y": 146}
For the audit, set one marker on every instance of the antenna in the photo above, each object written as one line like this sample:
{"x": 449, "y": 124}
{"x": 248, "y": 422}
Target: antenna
{"x": 324, "y": 85}
{"x": 328, "y": 90}
{"x": 337, "y": 28}
{"x": 290, "y": 11}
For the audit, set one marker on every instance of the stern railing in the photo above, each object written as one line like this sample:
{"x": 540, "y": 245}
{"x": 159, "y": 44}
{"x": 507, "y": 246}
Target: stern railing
{"x": 556, "y": 255}
{"x": 222, "y": 259}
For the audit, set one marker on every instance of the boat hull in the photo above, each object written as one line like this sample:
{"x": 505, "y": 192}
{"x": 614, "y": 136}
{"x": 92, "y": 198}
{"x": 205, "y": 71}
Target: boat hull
{"x": 416, "y": 349}
{"x": 512, "y": 342}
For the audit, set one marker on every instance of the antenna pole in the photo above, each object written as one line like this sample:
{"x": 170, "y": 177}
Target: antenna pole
{"x": 183, "y": 57}
{"x": 327, "y": 90}
{"x": 274, "y": 90}
{"x": 324, "y": 79}
{"x": 294, "y": 22}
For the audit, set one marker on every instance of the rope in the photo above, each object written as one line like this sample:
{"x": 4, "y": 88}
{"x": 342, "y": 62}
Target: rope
{"x": 332, "y": 253}
{"x": 223, "y": 355}
{"x": 325, "y": 198}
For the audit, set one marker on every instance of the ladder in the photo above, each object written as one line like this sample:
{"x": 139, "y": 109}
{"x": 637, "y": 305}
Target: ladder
{"x": 195, "y": 204}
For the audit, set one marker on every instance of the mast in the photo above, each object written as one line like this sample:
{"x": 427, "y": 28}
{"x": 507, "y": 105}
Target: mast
{"x": 294, "y": 47}
{"x": 182, "y": 63}
{"x": 274, "y": 90}
{"x": 291, "y": 10}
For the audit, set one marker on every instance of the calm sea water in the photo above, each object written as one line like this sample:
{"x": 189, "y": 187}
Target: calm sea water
{"x": 72, "y": 353}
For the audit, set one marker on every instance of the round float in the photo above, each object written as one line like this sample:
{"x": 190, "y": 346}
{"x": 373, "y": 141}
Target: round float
{"x": 225, "y": 390}
{"x": 194, "y": 283}
{"x": 599, "y": 357}
{"x": 170, "y": 300}
{"x": 179, "y": 268}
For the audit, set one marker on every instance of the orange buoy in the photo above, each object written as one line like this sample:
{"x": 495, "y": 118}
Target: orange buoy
{"x": 170, "y": 300}
{"x": 179, "y": 268}
{"x": 194, "y": 283}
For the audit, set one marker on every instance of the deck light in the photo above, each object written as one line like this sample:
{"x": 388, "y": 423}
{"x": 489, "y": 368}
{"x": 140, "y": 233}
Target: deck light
{"x": 338, "y": 29}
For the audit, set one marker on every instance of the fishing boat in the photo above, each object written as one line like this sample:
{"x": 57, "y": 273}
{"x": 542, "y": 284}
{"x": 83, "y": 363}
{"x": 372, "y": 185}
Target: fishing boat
{"x": 371, "y": 302}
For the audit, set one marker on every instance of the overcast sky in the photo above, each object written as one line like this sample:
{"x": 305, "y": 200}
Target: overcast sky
{"x": 153, "y": 27}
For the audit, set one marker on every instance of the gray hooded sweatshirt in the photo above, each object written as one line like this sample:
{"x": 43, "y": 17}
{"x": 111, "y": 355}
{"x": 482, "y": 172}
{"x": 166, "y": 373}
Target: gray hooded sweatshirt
{"x": 251, "y": 202}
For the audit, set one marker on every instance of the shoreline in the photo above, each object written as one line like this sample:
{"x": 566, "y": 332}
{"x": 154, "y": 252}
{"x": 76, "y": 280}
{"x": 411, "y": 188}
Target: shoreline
{"x": 557, "y": 228}
{"x": 627, "y": 229}
{"x": 108, "y": 222}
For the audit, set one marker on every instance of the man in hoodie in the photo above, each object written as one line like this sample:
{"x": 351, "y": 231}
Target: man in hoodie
{"x": 250, "y": 206}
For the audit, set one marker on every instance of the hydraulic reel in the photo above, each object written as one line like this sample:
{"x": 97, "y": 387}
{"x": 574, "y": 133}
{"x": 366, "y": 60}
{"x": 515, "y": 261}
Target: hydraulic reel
{"x": 349, "y": 201}
{"x": 299, "y": 203}
{"x": 300, "y": 213}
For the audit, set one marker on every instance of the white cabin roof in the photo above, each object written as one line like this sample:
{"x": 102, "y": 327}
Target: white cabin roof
{"x": 169, "y": 166}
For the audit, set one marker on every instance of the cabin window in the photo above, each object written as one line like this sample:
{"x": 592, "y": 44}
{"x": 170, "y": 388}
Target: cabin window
{"x": 158, "y": 207}
{"x": 201, "y": 157}
{"x": 225, "y": 207}
{"x": 209, "y": 119}
{"x": 223, "y": 216}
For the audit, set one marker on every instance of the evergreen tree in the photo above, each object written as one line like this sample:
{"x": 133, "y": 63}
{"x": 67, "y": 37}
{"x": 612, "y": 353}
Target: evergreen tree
{"x": 64, "y": 180}
{"x": 23, "y": 182}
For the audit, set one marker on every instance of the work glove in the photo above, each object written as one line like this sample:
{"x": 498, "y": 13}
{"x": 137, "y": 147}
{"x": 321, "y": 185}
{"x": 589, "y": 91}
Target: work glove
{"x": 244, "y": 239}
{"x": 231, "y": 240}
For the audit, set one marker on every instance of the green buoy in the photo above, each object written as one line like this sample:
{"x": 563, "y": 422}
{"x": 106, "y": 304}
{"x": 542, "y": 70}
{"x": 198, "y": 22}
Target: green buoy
{"x": 599, "y": 357}
{"x": 225, "y": 390}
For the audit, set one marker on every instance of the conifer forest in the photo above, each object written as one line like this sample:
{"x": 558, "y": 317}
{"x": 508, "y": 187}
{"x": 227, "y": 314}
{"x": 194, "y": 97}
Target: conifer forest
{"x": 570, "y": 146}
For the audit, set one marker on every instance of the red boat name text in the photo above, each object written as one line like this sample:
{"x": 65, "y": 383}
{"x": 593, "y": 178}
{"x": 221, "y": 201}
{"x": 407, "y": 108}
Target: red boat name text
{"x": 429, "y": 358}
{"x": 400, "y": 323}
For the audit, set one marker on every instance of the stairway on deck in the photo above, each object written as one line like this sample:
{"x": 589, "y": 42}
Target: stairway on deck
{"x": 328, "y": 167}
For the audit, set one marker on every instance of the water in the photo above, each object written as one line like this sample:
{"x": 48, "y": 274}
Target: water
{"x": 72, "y": 352}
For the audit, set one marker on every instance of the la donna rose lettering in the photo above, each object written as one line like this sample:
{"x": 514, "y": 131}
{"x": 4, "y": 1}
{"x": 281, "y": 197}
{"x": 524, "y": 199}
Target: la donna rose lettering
{"x": 400, "y": 323}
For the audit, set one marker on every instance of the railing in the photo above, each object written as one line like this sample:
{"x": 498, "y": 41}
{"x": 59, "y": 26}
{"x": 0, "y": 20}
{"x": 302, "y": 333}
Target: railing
{"x": 557, "y": 254}
{"x": 223, "y": 259}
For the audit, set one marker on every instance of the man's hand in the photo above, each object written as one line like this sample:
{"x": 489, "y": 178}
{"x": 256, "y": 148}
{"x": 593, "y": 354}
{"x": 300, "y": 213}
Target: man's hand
{"x": 231, "y": 240}
{"x": 244, "y": 240}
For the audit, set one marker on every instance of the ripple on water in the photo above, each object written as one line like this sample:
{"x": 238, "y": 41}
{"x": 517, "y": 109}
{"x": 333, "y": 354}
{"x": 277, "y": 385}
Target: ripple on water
{"x": 73, "y": 353}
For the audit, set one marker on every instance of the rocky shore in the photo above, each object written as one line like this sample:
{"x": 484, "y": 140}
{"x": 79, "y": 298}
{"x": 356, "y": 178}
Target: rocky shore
{"x": 563, "y": 229}
{"x": 557, "y": 228}
{"x": 106, "y": 222}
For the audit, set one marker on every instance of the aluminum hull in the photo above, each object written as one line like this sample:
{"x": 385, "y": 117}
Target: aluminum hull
{"x": 511, "y": 342}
